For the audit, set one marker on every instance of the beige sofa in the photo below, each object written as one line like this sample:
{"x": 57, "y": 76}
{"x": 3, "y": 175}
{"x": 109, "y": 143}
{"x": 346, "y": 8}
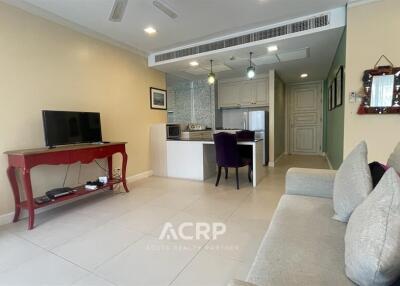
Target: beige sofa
{"x": 304, "y": 245}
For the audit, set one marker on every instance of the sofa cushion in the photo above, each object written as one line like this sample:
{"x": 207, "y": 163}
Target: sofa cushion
{"x": 394, "y": 159}
{"x": 352, "y": 184}
{"x": 303, "y": 245}
{"x": 372, "y": 240}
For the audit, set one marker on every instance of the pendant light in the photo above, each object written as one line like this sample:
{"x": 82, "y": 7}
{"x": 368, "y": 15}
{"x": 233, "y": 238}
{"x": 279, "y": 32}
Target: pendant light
{"x": 211, "y": 75}
{"x": 251, "y": 70}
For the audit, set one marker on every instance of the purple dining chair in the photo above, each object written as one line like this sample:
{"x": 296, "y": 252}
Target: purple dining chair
{"x": 246, "y": 151}
{"x": 245, "y": 135}
{"x": 228, "y": 156}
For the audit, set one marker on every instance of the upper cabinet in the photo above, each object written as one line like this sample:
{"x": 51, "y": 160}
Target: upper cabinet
{"x": 228, "y": 94}
{"x": 243, "y": 93}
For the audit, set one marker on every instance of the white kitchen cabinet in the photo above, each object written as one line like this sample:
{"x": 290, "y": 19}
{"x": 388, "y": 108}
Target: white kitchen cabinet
{"x": 247, "y": 95}
{"x": 243, "y": 93}
{"x": 228, "y": 94}
{"x": 262, "y": 92}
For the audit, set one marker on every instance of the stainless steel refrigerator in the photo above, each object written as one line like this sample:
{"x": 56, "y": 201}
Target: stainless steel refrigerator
{"x": 249, "y": 119}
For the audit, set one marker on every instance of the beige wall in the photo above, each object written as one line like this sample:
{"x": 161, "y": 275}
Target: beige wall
{"x": 372, "y": 30}
{"x": 47, "y": 66}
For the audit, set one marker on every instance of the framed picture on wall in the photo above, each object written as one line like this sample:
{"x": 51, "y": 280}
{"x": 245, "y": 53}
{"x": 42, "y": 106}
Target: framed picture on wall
{"x": 331, "y": 96}
{"x": 158, "y": 98}
{"x": 339, "y": 87}
{"x": 333, "y": 99}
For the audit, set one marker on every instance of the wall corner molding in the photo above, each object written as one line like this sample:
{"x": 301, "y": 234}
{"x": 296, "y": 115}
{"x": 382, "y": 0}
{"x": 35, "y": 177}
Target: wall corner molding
{"x": 355, "y": 3}
{"x": 329, "y": 162}
{"x": 36, "y": 11}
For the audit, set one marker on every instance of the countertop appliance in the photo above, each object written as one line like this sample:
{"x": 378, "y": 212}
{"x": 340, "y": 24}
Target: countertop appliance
{"x": 196, "y": 127}
{"x": 249, "y": 119}
{"x": 173, "y": 131}
{"x": 197, "y": 134}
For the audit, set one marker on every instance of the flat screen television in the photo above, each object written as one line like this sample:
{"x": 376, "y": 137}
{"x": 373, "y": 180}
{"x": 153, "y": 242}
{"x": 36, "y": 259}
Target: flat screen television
{"x": 68, "y": 127}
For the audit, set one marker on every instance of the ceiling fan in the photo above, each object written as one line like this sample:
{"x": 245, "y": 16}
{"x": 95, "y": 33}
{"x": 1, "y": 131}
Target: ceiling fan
{"x": 118, "y": 10}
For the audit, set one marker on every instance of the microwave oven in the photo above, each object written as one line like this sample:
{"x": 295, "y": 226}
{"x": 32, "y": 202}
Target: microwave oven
{"x": 173, "y": 131}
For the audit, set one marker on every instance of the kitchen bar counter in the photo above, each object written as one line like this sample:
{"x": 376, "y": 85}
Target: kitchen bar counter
{"x": 211, "y": 141}
{"x": 195, "y": 159}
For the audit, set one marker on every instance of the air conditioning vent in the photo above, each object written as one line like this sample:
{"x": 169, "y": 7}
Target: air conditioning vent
{"x": 312, "y": 23}
{"x": 118, "y": 10}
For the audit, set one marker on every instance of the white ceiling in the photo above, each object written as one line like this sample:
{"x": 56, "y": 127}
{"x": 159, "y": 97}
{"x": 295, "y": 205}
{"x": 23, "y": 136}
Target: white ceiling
{"x": 200, "y": 20}
{"x": 197, "y": 19}
{"x": 312, "y": 54}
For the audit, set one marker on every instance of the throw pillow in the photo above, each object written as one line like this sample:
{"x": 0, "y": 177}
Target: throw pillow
{"x": 352, "y": 184}
{"x": 372, "y": 240}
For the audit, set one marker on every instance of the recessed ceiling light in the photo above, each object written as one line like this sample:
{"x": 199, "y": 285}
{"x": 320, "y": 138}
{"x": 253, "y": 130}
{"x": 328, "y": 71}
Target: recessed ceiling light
{"x": 304, "y": 75}
{"x": 194, "y": 64}
{"x": 272, "y": 48}
{"x": 150, "y": 30}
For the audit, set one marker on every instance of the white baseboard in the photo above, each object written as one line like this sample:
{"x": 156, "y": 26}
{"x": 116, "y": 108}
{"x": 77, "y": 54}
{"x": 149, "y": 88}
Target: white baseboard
{"x": 280, "y": 157}
{"x": 139, "y": 176}
{"x": 8, "y": 217}
{"x": 272, "y": 164}
{"x": 354, "y": 3}
{"x": 329, "y": 162}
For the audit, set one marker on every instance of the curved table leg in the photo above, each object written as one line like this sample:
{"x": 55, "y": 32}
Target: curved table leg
{"x": 14, "y": 186}
{"x": 124, "y": 163}
{"x": 29, "y": 196}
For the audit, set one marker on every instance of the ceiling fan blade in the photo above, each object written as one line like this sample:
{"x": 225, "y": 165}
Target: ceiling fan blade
{"x": 118, "y": 10}
{"x": 165, "y": 9}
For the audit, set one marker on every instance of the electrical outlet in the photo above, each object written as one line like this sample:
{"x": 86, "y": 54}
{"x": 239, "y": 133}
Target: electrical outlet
{"x": 117, "y": 172}
{"x": 353, "y": 97}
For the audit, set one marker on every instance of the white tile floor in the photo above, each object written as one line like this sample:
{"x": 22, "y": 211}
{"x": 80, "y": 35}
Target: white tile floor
{"x": 113, "y": 239}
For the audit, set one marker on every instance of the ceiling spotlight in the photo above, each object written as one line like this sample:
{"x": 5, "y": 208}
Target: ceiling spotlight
{"x": 272, "y": 49}
{"x": 304, "y": 75}
{"x": 150, "y": 30}
{"x": 211, "y": 75}
{"x": 194, "y": 64}
{"x": 251, "y": 70}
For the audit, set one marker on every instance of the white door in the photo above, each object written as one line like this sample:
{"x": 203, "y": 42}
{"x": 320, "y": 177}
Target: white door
{"x": 305, "y": 119}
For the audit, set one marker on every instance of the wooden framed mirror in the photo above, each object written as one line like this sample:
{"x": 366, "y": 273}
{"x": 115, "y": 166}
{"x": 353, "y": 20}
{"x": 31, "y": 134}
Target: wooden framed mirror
{"x": 381, "y": 91}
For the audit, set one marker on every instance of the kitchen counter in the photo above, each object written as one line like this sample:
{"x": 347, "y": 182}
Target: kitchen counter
{"x": 195, "y": 159}
{"x": 212, "y": 141}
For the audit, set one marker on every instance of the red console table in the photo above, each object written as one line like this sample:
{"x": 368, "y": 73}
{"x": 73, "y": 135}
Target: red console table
{"x": 25, "y": 160}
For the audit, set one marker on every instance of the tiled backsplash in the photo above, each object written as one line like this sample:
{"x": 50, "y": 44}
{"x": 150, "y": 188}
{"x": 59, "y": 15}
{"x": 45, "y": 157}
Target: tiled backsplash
{"x": 192, "y": 102}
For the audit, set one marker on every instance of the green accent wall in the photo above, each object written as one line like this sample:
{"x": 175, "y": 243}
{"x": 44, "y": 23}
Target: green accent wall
{"x": 334, "y": 119}
{"x": 279, "y": 114}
